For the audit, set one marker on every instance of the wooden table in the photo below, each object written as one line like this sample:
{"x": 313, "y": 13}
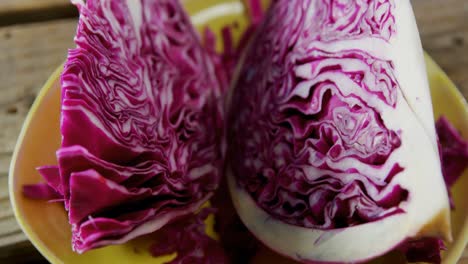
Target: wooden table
{"x": 34, "y": 38}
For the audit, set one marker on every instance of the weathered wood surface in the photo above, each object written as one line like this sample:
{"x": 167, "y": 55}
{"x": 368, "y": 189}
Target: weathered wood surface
{"x": 26, "y": 11}
{"x": 11, "y": 6}
{"x": 30, "y": 52}
{"x": 443, "y": 26}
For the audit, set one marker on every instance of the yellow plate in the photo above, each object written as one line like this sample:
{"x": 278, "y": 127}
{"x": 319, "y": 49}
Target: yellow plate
{"x": 46, "y": 224}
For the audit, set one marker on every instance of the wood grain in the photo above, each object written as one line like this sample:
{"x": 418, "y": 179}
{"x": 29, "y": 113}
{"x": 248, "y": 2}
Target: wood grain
{"x": 30, "y": 53}
{"x": 27, "y": 11}
{"x": 443, "y": 27}
{"x": 11, "y": 6}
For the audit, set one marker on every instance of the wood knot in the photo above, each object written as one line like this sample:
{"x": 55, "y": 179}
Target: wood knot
{"x": 458, "y": 41}
{"x": 12, "y": 110}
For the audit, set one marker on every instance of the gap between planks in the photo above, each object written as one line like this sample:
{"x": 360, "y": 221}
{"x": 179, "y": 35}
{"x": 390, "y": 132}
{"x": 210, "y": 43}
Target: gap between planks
{"x": 28, "y": 11}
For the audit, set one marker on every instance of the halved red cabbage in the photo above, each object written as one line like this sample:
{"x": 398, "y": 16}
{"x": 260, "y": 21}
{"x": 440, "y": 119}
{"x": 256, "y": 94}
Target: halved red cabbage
{"x": 141, "y": 122}
{"x": 330, "y": 132}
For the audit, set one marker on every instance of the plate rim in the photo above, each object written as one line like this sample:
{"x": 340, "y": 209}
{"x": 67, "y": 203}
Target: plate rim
{"x": 27, "y": 230}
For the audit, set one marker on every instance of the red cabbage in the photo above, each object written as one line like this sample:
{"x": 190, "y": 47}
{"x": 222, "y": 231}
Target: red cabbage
{"x": 454, "y": 151}
{"x": 187, "y": 237}
{"x": 423, "y": 250}
{"x": 227, "y": 60}
{"x": 255, "y": 11}
{"x": 328, "y": 134}
{"x": 275, "y": 110}
{"x": 140, "y": 121}
{"x": 41, "y": 191}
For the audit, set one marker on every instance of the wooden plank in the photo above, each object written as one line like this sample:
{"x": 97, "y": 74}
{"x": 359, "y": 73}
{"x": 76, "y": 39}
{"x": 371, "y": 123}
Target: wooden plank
{"x": 24, "y": 11}
{"x": 30, "y": 53}
{"x": 10, "y": 228}
{"x": 4, "y": 164}
{"x": 5, "y": 208}
{"x": 3, "y": 190}
{"x": 23, "y": 249}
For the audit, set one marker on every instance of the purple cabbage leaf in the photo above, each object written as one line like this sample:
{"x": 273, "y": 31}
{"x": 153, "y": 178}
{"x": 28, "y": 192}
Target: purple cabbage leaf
{"x": 140, "y": 122}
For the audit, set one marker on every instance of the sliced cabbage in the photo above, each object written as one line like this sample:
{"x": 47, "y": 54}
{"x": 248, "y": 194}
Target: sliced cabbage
{"x": 141, "y": 122}
{"x": 332, "y": 151}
